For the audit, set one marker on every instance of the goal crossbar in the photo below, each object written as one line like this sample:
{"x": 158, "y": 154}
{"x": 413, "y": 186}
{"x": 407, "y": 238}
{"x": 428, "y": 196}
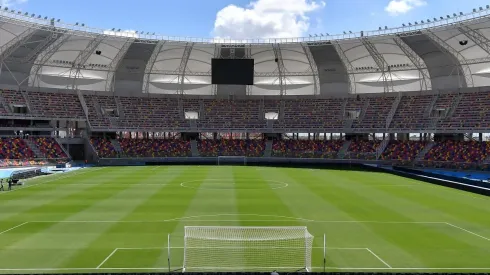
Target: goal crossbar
{"x": 247, "y": 248}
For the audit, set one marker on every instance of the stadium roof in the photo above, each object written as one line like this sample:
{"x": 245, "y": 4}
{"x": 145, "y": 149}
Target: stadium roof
{"x": 442, "y": 53}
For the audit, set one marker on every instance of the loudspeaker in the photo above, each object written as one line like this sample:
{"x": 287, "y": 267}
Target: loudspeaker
{"x": 277, "y": 59}
{"x": 98, "y": 52}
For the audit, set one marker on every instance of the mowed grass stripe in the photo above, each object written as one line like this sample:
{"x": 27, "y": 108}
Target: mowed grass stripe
{"x": 56, "y": 237}
{"x": 154, "y": 194}
{"x": 119, "y": 207}
{"x": 388, "y": 205}
{"x": 61, "y": 206}
{"x": 306, "y": 204}
{"x": 346, "y": 203}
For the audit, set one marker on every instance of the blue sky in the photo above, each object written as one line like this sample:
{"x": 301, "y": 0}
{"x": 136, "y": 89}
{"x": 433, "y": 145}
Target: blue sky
{"x": 243, "y": 18}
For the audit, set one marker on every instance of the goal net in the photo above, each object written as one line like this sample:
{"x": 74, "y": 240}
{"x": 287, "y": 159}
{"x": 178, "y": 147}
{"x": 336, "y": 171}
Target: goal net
{"x": 236, "y": 248}
{"x": 232, "y": 160}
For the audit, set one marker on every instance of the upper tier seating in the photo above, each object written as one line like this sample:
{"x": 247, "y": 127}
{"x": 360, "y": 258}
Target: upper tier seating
{"x": 155, "y": 147}
{"x": 15, "y": 148}
{"x": 58, "y": 105}
{"x": 306, "y": 148}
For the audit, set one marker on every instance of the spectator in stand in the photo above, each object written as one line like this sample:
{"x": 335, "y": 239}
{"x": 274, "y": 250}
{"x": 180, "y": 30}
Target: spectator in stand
{"x": 306, "y": 148}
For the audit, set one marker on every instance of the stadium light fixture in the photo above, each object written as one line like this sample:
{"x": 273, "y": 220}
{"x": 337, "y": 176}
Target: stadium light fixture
{"x": 379, "y": 28}
{"x": 416, "y": 23}
{"x": 19, "y": 12}
{"x": 410, "y": 24}
{"x": 428, "y": 20}
{"x": 488, "y": 6}
{"x": 481, "y": 8}
{"x": 45, "y": 18}
{"x": 442, "y": 18}
{"x": 386, "y": 27}
{"x": 328, "y": 34}
{"x": 83, "y": 25}
{"x": 454, "y": 15}
{"x": 345, "y": 32}
{"x": 435, "y": 19}
{"x": 58, "y": 20}
{"x": 404, "y": 25}
{"x": 26, "y": 13}
{"x": 153, "y": 34}
{"x": 422, "y": 22}
{"x": 76, "y": 24}
{"x": 39, "y": 17}
{"x": 448, "y": 17}
{"x": 113, "y": 29}
{"x": 6, "y": 9}
{"x": 461, "y": 13}
{"x": 474, "y": 10}
{"x": 350, "y": 31}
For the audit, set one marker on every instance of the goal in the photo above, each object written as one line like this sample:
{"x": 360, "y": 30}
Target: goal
{"x": 247, "y": 248}
{"x": 232, "y": 160}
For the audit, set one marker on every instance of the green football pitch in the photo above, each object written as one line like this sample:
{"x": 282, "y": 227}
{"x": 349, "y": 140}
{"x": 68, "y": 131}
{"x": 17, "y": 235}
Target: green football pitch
{"x": 117, "y": 219}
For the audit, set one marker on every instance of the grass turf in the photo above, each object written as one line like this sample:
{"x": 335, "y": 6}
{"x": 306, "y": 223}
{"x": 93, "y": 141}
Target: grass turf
{"x": 373, "y": 221}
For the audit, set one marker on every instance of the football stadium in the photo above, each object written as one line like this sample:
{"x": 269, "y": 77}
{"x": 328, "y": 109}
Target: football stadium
{"x": 133, "y": 152}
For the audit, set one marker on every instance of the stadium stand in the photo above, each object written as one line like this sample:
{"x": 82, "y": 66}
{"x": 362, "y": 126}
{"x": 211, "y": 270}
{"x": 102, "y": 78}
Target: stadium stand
{"x": 306, "y": 148}
{"x": 103, "y": 147}
{"x": 363, "y": 149}
{"x": 49, "y": 147}
{"x": 231, "y": 147}
{"x": 402, "y": 150}
{"x": 155, "y": 148}
{"x": 15, "y": 149}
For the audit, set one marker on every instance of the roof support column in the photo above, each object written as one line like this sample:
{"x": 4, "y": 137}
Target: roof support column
{"x": 453, "y": 53}
{"x": 183, "y": 66}
{"x": 348, "y": 67}
{"x": 313, "y": 67}
{"x": 248, "y": 54}
{"x": 149, "y": 66}
{"x": 109, "y": 86}
{"x": 8, "y": 48}
{"x": 81, "y": 59}
{"x": 217, "y": 54}
{"x": 419, "y": 63}
{"x": 382, "y": 65}
{"x": 44, "y": 56}
{"x": 280, "y": 68}
{"x": 476, "y": 37}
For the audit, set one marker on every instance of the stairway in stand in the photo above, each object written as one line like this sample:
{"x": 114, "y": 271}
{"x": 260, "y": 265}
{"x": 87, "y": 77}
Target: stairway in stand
{"x": 34, "y": 148}
{"x": 194, "y": 150}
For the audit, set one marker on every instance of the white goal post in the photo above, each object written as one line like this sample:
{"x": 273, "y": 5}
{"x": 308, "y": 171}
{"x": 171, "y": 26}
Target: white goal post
{"x": 242, "y": 160}
{"x": 247, "y": 248}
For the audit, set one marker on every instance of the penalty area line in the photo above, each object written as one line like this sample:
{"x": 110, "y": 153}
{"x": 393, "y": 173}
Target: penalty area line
{"x": 378, "y": 257}
{"x": 17, "y": 226}
{"x": 314, "y": 267}
{"x": 107, "y": 258}
{"x": 468, "y": 231}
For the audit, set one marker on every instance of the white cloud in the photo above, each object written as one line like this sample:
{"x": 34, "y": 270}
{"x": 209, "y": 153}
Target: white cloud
{"x": 125, "y": 33}
{"x": 397, "y": 7}
{"x": 266, "y": 19}
{"x": 11, "y": 3}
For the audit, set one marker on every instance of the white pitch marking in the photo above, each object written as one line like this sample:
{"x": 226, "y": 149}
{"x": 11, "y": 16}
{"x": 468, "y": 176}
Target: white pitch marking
{"x": 268, "y": 268}
{"x": 229, "y": 247}
{"x": 466, "y": 230}
{"x": 305, "y": 221}
{"x": 58, "y": 178}
{"x": 13, "y": 228}
{"x": 105, "y": 260}
{"x": 378, "y": 257}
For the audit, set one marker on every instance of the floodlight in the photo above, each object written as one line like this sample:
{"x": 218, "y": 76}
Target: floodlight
{"x": 386, "y": 27}
{"x": 45, "y": 18}
{"x": 404, "y": 25}
{"x": 442, "y": 18}
{"x": 58, "y": 20}
{"x": 416, "y": 23}
{"x": 39, "y": 16}
{"x": 488, "y": 6}
{"x": 435, "y": 19}
{"x": 19, "y": 12}
{"x": 26, "y": 13}
{"x": 379, "y": 28}
{"x": 6, "y": 9}
{"x": 422, "y": 22}
{"x": 83, "y": 25}
{"x": 328, "y": 33}
{"x": 474, "y": 10}
{"x": 454, "y": 15}
{"x": 410, "y": 24}
{"x": 461, "y": 13}
{"x": 428, "y": 20}
{"x": 310, "y": 35}
{"x": 350, "y": 31}
{"x": 345, "y": 32}
{"x": 113, "y": 29}
{"x": 76, "y": 24}
{"x": 153, "y": 33}
{"x": 448, "y": 17}
{"x": 481, "y": 8}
